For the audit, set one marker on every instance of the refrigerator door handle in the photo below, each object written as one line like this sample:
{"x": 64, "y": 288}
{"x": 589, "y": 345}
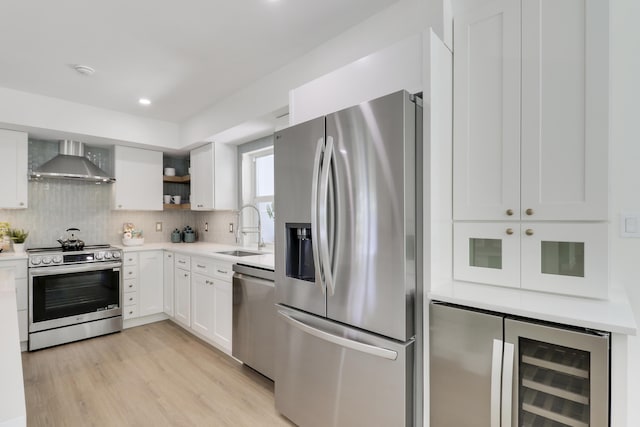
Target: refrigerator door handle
{"x": 315, "y": 226}
{"x": 496, "y": 376}
{"x": 507, "y": 384}
{"x": 323, "y": 216}
{"x": 341, "y": 341}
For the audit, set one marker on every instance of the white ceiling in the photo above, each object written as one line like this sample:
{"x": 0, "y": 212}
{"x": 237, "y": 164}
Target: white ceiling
{"x": 183, "y": 55}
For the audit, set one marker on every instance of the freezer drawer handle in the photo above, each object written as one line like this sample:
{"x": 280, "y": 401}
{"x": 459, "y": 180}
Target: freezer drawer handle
{"x": 507, "y": 383}
{"x": 344, "y": 342}
{"x": 496, "y": 375}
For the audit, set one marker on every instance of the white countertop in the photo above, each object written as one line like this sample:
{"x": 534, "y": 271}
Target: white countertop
{"x": 8, "y": 255}
{"x": 12, "y": 405}
{"x": 612, "y": 315}
{"x": 263, "y": 260}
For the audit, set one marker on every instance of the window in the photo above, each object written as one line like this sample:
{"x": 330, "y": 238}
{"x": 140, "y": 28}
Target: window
{"x": 257, "y": 190}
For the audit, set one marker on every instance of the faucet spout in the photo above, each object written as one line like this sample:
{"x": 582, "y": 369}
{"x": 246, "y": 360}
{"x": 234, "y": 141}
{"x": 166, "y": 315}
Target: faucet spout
{"x": 245, "y": 230}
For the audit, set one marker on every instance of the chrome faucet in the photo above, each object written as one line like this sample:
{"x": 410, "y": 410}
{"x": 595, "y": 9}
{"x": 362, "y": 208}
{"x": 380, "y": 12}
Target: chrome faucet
{"x": 245, "y": 230}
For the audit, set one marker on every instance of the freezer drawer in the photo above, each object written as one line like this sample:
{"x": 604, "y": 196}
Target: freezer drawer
{"x": 328, "y": 374}
{"x": 462, "y": 355}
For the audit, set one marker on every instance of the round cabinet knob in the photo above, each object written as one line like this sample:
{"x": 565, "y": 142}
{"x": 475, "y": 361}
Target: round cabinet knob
{"x": 529, "y": 211}
{"x": 509, "y": 231}
{"x": 529, "y": 232}
{"x": 509, "y": 212}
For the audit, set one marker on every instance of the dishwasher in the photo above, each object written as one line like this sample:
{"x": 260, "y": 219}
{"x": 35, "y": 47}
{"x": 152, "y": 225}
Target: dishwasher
{"x": 254, "y": 316}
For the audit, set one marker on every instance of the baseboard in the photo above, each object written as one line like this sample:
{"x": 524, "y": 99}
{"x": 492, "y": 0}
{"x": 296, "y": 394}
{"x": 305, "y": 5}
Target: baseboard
{"x": 139, "y": 321}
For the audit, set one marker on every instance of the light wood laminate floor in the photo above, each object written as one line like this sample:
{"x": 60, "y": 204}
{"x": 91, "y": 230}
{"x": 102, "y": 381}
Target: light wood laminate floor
{"x": 152, "y": 375}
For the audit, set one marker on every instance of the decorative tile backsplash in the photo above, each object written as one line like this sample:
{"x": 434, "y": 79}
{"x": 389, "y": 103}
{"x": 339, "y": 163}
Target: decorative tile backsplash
{"x": 55, "y": 206}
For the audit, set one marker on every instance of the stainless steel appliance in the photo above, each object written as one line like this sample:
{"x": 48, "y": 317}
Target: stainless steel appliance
{"x": 495, "y": 370}
{"x": 71, "y": 163}
{"x": 347, "y": 203}
{"x": 73, "y": 294}
{"x": 254, "y": 314}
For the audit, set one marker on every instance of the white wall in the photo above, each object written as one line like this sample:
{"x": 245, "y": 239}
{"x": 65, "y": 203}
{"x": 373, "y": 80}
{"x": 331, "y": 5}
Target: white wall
{"x": 41, "y": 115}
{"x": 625, "y": 171}
{"x": 270, "y": 93}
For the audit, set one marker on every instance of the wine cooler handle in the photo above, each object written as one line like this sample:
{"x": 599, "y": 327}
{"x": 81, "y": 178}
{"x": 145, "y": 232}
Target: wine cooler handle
{"x": 496, "y": 376}
{"x": 507, "y": 384}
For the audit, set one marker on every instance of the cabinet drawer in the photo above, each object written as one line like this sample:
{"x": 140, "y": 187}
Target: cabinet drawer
{"x": 223, "y": 270}
{"x": 129, "y": 272}
{"x": 130, "y": 258}
{"x": 130, "y": 285}
{"x": 183, "y": 262}
{"x": 130, "y": 312}
{"x": 129, "y": 299}
{"x": 203, "y": 266}
{"x": 19, "y": 267}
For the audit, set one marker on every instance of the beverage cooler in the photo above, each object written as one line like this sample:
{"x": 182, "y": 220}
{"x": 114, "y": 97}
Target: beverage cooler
{"x": 491, "y": 369}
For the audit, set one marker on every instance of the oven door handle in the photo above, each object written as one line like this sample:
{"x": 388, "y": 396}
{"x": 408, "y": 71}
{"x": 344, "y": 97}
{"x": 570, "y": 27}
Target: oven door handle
{"x": 78, "y": 268}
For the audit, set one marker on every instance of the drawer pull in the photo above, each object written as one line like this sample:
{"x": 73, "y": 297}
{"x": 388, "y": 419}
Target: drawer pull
{"x": 201, "y": 266}
{"x": 130, "y": 273}
{"x": 131, "y": 286}
{"x": 131, "y": 312}
{"x": 182, "y": 262}
{"x": 222, "y": 271}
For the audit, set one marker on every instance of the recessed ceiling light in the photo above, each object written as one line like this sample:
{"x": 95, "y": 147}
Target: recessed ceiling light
{"x": 85, "y": 70}
{"x": 144, "y": 101}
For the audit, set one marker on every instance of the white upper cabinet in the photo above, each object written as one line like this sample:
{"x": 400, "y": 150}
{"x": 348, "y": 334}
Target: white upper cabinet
{"x": 13, "y": 172}
{"x": 486, "y": 79}
{"x": 214, "y": 177}
{"x": 531, "y": 111}
{"x": 138, "y": 183}
{"x": 565, "y": 119}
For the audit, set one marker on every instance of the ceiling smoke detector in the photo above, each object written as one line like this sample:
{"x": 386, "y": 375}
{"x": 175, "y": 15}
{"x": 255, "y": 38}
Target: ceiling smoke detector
{"x": 85, "y": 70}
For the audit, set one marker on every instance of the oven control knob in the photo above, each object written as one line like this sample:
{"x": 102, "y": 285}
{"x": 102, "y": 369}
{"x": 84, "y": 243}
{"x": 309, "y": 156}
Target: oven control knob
{"x": 57, "y": 259}
{"x": 46, "y": 260}
{"x": 99, "y": 255}
{"x": 116, "y": 255}
{"x": 36, "y": 260}
{"x": 107, "y": 255}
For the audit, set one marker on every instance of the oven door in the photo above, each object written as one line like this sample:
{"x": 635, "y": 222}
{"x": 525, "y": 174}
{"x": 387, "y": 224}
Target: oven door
{"x": 67, "y": 295}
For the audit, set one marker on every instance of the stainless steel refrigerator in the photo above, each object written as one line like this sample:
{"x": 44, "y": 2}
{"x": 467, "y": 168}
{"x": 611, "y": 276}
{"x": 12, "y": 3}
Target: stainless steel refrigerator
{"x": 347, "y": 244}
{"x": 491, "y": 369}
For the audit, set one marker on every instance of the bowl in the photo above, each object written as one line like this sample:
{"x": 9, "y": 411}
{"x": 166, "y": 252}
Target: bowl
{"x": 138, "y": 241}
{"x": 169, "y": 171}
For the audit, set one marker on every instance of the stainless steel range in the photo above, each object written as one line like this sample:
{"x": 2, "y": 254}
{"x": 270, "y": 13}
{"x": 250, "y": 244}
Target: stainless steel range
{"x": 73, "y": 295}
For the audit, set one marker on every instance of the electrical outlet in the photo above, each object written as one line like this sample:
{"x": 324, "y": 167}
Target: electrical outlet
{"x": 159, "y": 226}
{"x": 206, "y": 226}
{"x": 230, "y": 227}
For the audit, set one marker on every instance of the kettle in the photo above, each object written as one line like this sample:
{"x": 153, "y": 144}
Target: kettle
{"x": 71, "y": 243}
{"x": 176, "y": 236}
{"x": 189, "y": 235}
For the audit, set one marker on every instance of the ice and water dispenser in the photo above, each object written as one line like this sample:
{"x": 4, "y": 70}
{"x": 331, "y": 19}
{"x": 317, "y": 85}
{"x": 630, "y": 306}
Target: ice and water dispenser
{"x": 299, "y": 253}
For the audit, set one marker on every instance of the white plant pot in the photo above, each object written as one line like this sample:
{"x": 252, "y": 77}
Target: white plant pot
{"x": 18, "y": 248}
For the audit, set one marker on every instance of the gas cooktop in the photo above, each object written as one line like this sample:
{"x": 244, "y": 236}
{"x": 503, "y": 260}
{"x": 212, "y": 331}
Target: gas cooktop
{"x": 44, "y": 257}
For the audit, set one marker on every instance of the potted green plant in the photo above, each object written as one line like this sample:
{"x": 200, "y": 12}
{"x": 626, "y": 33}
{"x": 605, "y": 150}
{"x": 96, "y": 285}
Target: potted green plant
{"x": 18, "y": 236}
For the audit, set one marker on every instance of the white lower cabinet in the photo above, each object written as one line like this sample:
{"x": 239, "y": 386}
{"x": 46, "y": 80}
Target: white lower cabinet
{"x": 19, "y": 268}
{"x": 182, "y": 284}
{"x": 142, "y": 274}
{"x": 202, "y": 305}
{"x": 564, "y": 258}
{"x": 223, "y": 310}
{"x": 168, "y": 279}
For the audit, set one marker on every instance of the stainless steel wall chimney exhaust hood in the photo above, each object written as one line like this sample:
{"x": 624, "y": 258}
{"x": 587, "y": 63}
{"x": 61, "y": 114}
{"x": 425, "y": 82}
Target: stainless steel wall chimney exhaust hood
{"x": 71, "y": 164}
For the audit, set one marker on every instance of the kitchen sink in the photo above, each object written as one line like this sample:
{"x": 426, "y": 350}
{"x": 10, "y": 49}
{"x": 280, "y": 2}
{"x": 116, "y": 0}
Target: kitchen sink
{"x": 239, "y": 253}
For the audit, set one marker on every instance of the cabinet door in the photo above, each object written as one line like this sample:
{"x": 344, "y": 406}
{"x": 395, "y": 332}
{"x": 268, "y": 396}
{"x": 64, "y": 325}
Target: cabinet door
{"x": 138, "y": 183}
{"x": 182, "y": 283}
{"x": 13, "y": 172}
{"x": 223, "y": 313}
{"x": 486, "y": 134}
{"x": 168, "y": 283}
{"x": 202, "y": 178}
{"x": 487, "y": 253}
{"x": 214, "y": 177}
{"x": 565, "y": 100}
{"x": 202, "y": 305}
{"x": 565, "y": 258}
{"x": 150, "y": 283}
